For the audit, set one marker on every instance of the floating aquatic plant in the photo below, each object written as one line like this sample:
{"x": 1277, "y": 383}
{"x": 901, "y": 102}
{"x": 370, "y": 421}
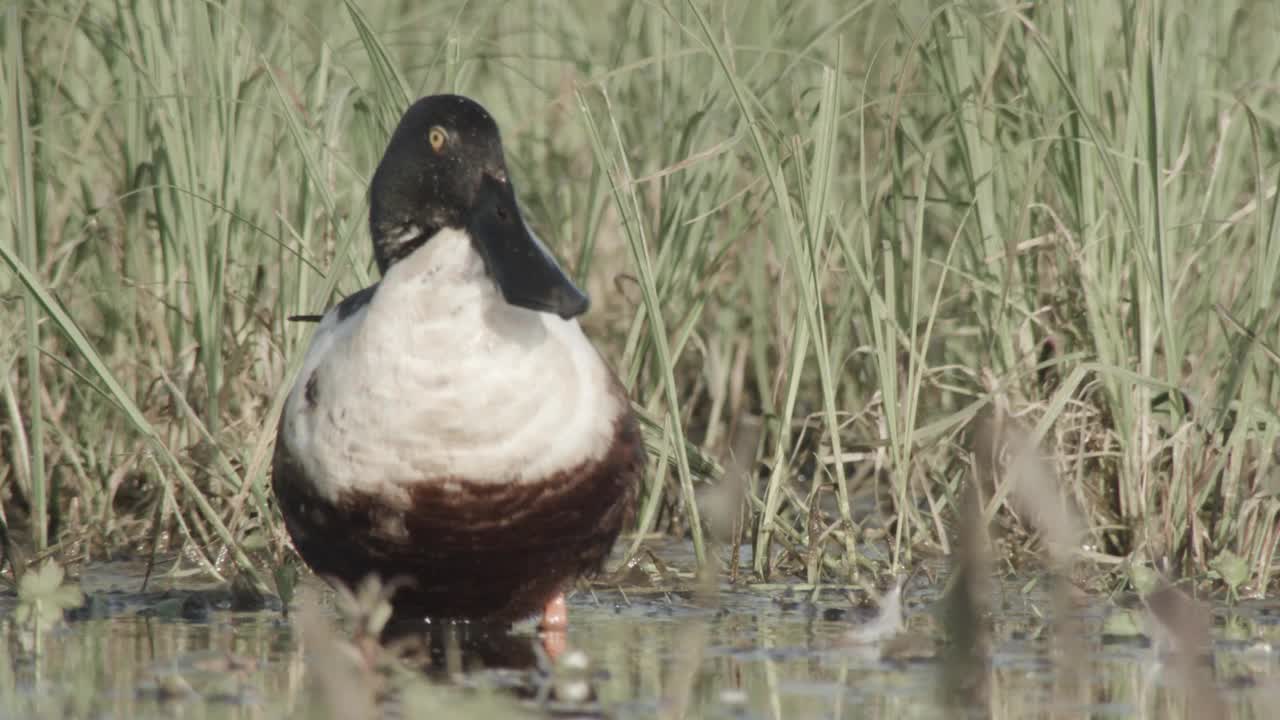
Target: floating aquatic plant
{"x": 43, "y": 598}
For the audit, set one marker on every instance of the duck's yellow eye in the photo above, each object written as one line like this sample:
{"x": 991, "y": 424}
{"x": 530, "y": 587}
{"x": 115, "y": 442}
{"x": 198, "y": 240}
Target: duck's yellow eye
{"x": 437, "y": 137}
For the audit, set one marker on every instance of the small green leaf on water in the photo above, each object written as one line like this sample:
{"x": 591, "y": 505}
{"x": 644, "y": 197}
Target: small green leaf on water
{"x": 1232, "y": 568}
{"x": 1144, "y": 579}
{"x": 1122, "y": 623}
{"x": 41, "y": 583}
{"x": 1237, "y": 628}
{"x": 42, "y": 596}
{"x": 46, "y": 585}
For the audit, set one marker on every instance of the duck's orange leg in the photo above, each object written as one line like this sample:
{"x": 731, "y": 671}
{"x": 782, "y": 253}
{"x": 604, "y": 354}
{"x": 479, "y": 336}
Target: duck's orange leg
{"x": 555, "y": 616}
{"x": 554, "y": 626}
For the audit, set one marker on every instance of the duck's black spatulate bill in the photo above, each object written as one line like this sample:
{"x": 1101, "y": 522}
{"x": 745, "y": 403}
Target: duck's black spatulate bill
{"x": 524, "y": 270}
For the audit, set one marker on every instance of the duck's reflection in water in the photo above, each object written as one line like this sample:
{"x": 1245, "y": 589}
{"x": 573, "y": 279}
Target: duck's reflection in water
{"x": 534, "y": 667}
{"x": 454, "y": 650}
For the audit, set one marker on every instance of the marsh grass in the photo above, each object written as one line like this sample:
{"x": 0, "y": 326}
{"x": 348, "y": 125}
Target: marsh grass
{"x": 855, "y": 227}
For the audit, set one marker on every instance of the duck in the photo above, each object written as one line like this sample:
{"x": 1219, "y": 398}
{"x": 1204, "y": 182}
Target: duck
{"x": 452, "y": 430}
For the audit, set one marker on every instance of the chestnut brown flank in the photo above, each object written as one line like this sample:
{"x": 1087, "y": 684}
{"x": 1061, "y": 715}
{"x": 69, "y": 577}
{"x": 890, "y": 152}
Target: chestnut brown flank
{"x": 496, "y": 551}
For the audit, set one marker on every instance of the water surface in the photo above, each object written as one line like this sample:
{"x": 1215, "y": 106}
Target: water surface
{"x": 741, "y": 651}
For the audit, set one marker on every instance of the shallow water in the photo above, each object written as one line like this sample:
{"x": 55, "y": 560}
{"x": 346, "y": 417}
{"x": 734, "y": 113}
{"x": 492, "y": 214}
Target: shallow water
{"x": 755, "y": 652}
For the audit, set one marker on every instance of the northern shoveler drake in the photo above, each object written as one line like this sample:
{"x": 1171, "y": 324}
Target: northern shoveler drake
{"x": 451, "y": 425}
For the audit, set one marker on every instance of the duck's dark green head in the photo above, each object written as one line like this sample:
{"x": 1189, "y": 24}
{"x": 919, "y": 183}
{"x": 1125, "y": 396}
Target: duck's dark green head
{"x": 444, "y": 168}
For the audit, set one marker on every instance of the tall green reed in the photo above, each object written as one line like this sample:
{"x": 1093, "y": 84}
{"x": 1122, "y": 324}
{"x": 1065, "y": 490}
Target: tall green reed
{"x": 857, "y": 227}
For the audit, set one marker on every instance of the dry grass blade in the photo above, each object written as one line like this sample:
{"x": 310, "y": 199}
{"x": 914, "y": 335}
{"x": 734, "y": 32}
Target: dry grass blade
{"x": 967, "y": 605}
{"x": 1181, "y": 629}
{"x": 342, "y": 674}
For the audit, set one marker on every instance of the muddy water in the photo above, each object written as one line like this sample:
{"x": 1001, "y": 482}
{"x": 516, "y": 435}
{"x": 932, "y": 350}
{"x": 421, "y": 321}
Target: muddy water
{"x": 756, "y": 652}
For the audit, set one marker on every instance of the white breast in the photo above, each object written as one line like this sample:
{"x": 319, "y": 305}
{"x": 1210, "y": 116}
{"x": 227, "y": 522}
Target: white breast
{"x": 438, "y": 377}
